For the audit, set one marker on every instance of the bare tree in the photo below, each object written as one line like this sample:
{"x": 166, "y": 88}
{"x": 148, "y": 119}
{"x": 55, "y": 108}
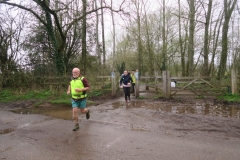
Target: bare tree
{"x": 84, "y": 36}
{"x": 114, "y": 39}
{"x": 191, "y": 37}
{"x": 103, "y": 37}
{"x": 10, "y": 46}
{"x": 215, "y": 37}
{"x": 206, "y": 39}
{"x": 164, "y": 52}
{"x": 181, "y": 40}
{"x": 97, "y": 37}
{"x": 229, "y": 5}
{"x": 139, "y": 41}
{"x": 58, "y": 36}
{"x": 149, "y": 43}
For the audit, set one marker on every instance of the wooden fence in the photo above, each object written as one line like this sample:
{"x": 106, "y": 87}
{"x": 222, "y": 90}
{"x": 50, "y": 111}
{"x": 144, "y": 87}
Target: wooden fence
{"x": 56, "y": 83}
{"x": 164, "y": 83}
{"x": 99, "y": 83}
{"x": 170, "y": 86}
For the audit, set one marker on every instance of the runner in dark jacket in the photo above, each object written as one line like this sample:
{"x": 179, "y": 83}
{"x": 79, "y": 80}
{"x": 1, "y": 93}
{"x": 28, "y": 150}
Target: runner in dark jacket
{"x": 125, "y": 83}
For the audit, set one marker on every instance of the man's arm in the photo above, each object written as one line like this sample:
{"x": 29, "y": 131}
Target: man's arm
{"x": 86, "y": 86}
{"x": 69, "y": 89}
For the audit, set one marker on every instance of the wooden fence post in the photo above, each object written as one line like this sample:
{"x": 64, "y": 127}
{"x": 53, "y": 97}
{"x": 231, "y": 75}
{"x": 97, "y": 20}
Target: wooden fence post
{"x": 166, "y": 83}
{"x": 137, "y": 84}
{"x": 234, "y": 86}
{"x": 113, "y": 77}
{"x": 147, "y": 81}
{"x": 156, "y": 80}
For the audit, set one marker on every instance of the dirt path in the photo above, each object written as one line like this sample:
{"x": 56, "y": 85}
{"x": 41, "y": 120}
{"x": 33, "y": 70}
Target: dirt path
{"x": 143, "y": 129}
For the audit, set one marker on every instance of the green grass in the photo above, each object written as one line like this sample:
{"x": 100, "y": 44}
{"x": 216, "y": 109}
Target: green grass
{"x": 95, "y": 93}
{"x": 230, "y": 97}
{"x": 141, "y": 97}
{"x": 57, "y": 97}
{"x": 200, "y": 97}
{"x": 13, "y": 95}
{"x": 8, "y": 95}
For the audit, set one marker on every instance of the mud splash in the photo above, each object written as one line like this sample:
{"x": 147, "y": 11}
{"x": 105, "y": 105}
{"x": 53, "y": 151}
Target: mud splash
{"x": 6, "y": 131}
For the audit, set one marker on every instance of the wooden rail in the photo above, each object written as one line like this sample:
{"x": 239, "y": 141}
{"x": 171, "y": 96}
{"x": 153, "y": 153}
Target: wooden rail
{"x": 56, "y": 83}
{"x": 163, "y": 83}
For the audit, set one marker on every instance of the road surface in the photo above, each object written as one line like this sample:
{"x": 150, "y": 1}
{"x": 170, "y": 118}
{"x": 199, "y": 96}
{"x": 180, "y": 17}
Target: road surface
{"x": 116, "y": 131}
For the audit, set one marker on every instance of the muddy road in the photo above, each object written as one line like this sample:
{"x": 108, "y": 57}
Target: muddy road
{"x": 141, "y": 130}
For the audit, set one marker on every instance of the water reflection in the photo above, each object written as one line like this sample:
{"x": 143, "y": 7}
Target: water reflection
{"x": 221, "y": 111}
{"x": 210, "y": 110}
{"x": 62, "y": 113}
{"x": 206, "y": 109}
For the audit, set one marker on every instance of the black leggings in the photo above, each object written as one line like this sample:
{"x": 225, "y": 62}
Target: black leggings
{"x": 127, "y": 92}
{"x": 133, "y": 88}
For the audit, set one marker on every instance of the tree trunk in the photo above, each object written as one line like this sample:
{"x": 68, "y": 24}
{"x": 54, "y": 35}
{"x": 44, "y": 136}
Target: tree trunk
{"x": 164, "y": 53}
{"x": 57, "y": 51}
{"x": 114, "y": 40}
{"x": 185, "y": 46}
{"x": 4, "y": 46}
{"x": 180, "y": 41}
{"x": 228, "y": 9}
{"x": 97, "y": 39}
{"x": 149, "y": 45}
{"x": 206, "y": 40}
{"x": 191, "y": 37}
{"x": 139, "y": 38}
{"x": 237, "y": 57}
{"x": 84, "y": 35}
{"x": 215, "y": 43}
{"x": 103, "y": 39}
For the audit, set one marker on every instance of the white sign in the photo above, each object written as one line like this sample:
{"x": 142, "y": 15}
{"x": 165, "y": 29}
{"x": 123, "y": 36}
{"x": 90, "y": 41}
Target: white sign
{"x": 113, "y": 74}
{"x": 136, "y": 75}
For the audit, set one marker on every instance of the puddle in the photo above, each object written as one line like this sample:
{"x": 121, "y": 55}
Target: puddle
{"x": 220, "y": 111}
{"x": 61, "y": 113}
{"x": 66, "y": 113}
{"x": 6, "y": 131}
{"x": 210, "y": 110}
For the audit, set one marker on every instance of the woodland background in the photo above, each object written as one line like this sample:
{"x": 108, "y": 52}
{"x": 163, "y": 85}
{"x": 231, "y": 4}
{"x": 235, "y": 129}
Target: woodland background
{"x": 43, "y": 38}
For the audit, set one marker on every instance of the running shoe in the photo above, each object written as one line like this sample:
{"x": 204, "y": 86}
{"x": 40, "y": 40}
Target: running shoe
{"x": 88, "y": 114}
{"x": 76, "y": 127}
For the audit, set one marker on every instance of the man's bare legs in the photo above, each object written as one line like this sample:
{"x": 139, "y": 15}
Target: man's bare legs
{"x": 86, "y": 111}
{"x": 75, "y": 116}
{"x": 75, "y": 113}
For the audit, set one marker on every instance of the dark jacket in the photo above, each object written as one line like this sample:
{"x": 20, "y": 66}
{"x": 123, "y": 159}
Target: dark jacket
{"x": 125, "y": 80}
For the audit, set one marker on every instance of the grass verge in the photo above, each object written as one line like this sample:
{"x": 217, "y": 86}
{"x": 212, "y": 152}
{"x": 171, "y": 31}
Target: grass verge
{"x": 230, "y": 97}
{"x": 53, "y": 97}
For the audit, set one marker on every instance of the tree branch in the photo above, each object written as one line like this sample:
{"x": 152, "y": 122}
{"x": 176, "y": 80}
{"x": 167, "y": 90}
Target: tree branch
{"x": 27, "y": 9}
{"x": 46, "y": 8}
{"x": 89, "y": 12}
{"x": 187, "y": 18}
